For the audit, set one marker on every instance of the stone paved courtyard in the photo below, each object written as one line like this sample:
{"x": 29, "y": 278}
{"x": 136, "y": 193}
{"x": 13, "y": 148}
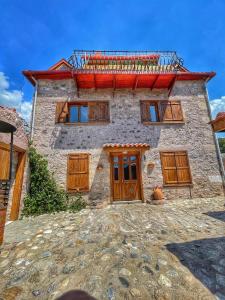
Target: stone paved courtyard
{"x": 125, "y": 251}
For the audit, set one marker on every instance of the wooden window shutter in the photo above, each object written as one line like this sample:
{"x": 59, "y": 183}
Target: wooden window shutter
{"x": 166, "y": 111}
{"x": 103, "y": 111}
{"x": 78, "y": 173}
{"x": 98, "y": 111}
{"x": 171, "y": 111}
{"x": 183, "y": 169}
{"x": 175, "y": 167}
{"x": 61, "y": 112}
{"x": 176, "y": 111}
{"x": 145, "y": 117}
{"x": 169, "y": 167}
{"x": 92, "y": 111}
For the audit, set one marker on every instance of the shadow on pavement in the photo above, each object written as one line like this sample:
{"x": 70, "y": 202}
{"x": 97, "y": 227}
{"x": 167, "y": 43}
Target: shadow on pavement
{"x": 206, "y": 261}
{"x": 220, "y": 215}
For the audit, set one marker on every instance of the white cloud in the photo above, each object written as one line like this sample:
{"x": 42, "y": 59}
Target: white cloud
{"x": 14, "y": 98}
{"x": 217, "y": 105}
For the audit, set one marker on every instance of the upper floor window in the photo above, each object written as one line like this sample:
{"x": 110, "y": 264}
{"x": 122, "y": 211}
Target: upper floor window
{"x": 82, "y": 112}
{"x": 78, "y": 113}
{"x": 161, "y": 111}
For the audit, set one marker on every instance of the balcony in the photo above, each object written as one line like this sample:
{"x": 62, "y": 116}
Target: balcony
{"x": 138, "y": 62}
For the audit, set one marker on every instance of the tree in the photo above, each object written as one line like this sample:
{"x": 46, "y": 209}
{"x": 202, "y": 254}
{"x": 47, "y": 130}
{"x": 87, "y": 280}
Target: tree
{"x": 222, "y": 144}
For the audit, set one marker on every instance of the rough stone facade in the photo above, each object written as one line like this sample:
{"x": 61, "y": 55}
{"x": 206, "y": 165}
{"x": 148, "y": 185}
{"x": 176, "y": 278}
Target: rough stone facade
{"x": 56, "y": 141}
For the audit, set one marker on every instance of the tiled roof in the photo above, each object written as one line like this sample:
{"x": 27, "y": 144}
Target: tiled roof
{"x": 130, "y": 145}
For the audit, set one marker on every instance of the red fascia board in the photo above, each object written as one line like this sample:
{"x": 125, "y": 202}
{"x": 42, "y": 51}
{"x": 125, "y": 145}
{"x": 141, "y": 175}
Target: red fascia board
{"x": 86, "y": 75}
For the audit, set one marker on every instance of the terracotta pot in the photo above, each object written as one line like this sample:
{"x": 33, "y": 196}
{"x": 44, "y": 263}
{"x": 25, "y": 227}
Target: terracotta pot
{"x": 157, "y": 193}
{"x": 2, "y": 223}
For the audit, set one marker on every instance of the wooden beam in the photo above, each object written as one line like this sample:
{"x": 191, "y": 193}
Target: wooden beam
{"x": 114, "y": 84}
{"x": 17, "y": 190}
{"x": 95, "y": 81}
{"x": 7, "y": 147}
{"x": 135, "y": 83}
{"x": 76, "y": 81}
{"x": 154, "y": 82}
{"x": 170, "y": 88}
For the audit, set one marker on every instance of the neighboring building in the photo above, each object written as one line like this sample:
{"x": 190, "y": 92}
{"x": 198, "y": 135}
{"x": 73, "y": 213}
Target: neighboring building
{"x": 20, "y": 144}
{"x": 113, "y": 125}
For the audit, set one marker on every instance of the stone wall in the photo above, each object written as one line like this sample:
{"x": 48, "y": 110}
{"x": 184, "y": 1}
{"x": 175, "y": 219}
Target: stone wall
{"x": 56, "y": 141}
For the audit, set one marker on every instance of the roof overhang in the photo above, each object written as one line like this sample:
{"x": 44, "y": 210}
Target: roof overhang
{"x": 87, "y": 79}
{"x": 218, "y": 124}
{"x": 126, "y": 147}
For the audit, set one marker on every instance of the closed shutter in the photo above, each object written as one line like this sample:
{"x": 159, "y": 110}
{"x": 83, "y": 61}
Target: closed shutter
{"x": 4, "y": 163}
{"x": 61, "y": 112}
{"x": 171, "y": 111}
{"x": 175, "y": 167}
{"x": 183, "y": 170}
{"x": 98, "y": 111}
{"x": 169, "y": 167}
{"x": 78, "y": 173}
{"x": 145, "y": 117}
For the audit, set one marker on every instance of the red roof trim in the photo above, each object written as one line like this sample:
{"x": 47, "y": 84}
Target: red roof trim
{"x": 219, "y": 116}
{"x": 62, "y": 61}
{"x": 87, "y": 79}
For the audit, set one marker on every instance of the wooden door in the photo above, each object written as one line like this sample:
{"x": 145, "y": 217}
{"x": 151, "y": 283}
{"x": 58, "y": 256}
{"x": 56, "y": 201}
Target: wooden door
{"x": 125, "y": 176}
{"x": 17, "y": 191}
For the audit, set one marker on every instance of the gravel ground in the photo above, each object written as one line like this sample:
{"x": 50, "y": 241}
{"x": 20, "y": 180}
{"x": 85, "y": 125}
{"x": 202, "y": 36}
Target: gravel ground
{"x": 125, "y": 251}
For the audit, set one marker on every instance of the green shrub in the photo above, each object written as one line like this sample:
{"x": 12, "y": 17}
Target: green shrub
{"x": 222, "y": 144}
{"x": 76, "y": 203}
{"x": 44, "y": 195}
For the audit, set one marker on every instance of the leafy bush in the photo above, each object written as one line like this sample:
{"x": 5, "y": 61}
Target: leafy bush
{"x": 44, "y": 195}
{"x": 222, "y": 144}
{"x": 76, "y": 203}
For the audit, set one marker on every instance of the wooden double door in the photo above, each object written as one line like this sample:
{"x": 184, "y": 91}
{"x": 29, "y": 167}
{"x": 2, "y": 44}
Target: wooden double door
{"x": 125, "y": 176}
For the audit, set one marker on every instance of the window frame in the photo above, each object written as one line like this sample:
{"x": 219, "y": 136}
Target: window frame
{"x": 65, "y": 119}
{"x": 177, "y": 184}
{"x": 157, "y": 104}
{"x": 79, "y": 105}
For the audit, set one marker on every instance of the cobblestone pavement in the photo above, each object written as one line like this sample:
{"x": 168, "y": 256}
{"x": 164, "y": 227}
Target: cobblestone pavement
{"x": 124, "y": 251}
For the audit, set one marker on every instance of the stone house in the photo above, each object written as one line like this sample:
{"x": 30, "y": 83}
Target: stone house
{"x": 11, "y": 196}
{"x": 114, "y": 125}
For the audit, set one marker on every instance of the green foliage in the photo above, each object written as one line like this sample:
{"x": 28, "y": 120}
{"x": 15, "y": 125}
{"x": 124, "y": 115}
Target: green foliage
{"x": 44, "y": 195}
{"x": 76, "y": 203}
{"x": 222, "y": 144}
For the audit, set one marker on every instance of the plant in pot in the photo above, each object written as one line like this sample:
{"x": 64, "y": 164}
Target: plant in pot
{"x": 157, "y": 193}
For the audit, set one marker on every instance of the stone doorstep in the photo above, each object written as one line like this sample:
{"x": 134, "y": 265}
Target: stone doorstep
{"x": 127, "y": 202}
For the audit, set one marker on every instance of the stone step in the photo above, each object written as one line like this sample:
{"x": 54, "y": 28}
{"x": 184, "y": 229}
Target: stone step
{"x": 127, "y": 202}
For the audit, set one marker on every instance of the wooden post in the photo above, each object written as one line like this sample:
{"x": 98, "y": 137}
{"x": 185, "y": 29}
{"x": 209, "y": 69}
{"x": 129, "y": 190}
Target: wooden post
{"x": 11, "y": 157}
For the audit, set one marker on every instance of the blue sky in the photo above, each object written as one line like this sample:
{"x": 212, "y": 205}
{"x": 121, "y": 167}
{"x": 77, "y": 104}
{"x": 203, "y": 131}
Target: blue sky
{"x": 36, "y": 34}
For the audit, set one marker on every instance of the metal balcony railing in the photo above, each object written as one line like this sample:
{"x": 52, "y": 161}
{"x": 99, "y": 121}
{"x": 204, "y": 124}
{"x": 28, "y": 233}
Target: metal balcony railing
{"x": 126, "y": 61}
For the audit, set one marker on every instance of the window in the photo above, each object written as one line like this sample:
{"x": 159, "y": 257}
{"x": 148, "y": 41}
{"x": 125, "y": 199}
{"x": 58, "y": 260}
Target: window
{"x": 78, "y": 172}
{"x": 161, "y": 111}
{"x": 82, "y": 112}
{"x": 78, "y": 113}
{"x": 175, "y": 168}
